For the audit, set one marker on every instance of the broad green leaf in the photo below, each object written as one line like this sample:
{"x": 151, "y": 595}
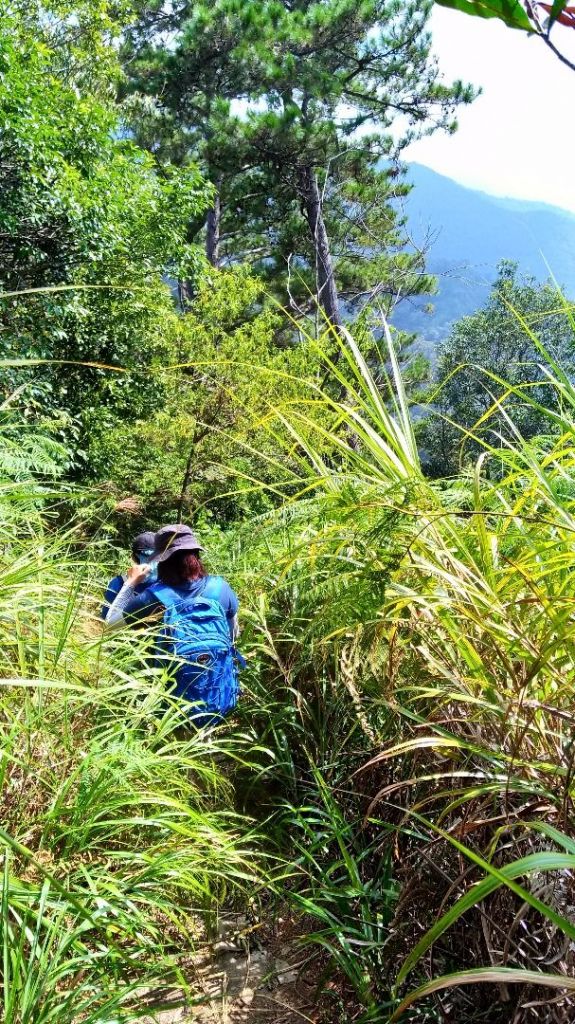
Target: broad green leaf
{"x": 508, "y": 11}
{"x": 557, "y": 8}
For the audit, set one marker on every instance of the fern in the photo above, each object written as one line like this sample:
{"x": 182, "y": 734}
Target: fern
{"x": 25, "y": 452}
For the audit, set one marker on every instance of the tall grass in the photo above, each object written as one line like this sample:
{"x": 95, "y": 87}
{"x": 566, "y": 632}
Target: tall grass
{"x": 405, "y": 735}
{"x": 441, "y": 617}
{"x": 118, "y": 838}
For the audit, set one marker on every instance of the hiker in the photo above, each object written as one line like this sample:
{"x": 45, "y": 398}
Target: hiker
{"x": 142, "y": 551}
{"x": 199, "y": 621}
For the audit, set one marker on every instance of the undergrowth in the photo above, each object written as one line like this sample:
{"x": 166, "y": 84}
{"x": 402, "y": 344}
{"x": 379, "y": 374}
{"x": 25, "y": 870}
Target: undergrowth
{"x": 400, "y": 770}
{"x": 119, "y": 840}
{"x": 421, "y": 637}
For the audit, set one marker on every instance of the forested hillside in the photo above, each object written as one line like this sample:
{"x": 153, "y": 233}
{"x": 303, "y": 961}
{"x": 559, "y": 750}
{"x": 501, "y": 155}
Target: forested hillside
{"x": 379, "y": 828}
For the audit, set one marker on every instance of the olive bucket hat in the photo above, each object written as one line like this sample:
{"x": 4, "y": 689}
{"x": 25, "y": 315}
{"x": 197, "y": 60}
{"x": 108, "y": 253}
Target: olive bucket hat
{"x": 174, "y": 538}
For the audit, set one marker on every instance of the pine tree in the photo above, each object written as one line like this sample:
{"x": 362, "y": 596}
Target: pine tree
{"x": 326, "y": 94}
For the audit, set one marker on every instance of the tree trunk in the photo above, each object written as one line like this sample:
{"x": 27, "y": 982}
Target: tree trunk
{"x": 186, "y": 480}
{"x": 326, "y": 286}
{"x": 184, "y": 294}
{"x": 213, "y": 229}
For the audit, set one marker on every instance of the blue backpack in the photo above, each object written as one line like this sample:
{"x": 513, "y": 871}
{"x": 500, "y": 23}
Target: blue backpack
{"x": 196, "y": 635}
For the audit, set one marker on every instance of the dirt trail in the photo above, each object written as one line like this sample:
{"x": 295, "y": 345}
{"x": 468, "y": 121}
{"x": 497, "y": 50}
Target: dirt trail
{"x": 242, "y": 986}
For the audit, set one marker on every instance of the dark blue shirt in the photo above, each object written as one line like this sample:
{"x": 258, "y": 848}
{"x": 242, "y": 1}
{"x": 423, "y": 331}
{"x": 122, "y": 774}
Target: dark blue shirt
{"x": 113, "y": 589}
{"x": 145, "y": 602}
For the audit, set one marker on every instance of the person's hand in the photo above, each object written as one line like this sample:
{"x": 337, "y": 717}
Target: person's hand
{"x": 137, "y": 574}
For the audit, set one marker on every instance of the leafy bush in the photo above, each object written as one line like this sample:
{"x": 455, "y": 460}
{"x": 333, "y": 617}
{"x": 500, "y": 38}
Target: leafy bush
{"x": 207, "y": 444}
{"x": 88, "y": 227}
{"x": 496, "y": 349}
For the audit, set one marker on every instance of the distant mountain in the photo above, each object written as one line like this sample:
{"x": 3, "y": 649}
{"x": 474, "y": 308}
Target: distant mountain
{"x": 468, "y": 232}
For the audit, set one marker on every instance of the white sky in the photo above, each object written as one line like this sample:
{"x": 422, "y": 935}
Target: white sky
{"x": 518, "y": 138}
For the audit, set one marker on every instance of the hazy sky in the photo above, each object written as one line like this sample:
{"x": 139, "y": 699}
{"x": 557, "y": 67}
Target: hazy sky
{"x": 517, "y": 139}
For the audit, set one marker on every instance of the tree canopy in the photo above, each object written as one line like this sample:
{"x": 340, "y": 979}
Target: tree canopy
{"x": 87, "y": 224}
{"x": 498, "y": 348}
{"x": 297, "y": 113}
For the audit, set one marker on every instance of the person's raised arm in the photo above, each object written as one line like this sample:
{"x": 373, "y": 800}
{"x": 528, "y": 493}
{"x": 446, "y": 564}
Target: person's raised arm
{"x": 125, "y": 597}
{"x": 112, "y": 590}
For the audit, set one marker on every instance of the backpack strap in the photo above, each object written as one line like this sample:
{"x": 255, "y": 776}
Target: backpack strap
{"x": 216, "y": 588}
{"x": 164, "y": 593}
{"x": 166, "y": 596}
{"x": 239, "y": 658}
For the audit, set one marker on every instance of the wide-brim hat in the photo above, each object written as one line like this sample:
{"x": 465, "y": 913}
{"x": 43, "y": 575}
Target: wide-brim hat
{"x": 176, "y": 537}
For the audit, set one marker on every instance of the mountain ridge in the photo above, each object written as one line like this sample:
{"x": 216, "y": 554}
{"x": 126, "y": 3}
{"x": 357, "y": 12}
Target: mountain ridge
{"x": 467, "y": 232}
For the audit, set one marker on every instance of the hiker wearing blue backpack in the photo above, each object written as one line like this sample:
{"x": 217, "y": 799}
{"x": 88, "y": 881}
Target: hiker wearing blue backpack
{"x": 199, "y": 622}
